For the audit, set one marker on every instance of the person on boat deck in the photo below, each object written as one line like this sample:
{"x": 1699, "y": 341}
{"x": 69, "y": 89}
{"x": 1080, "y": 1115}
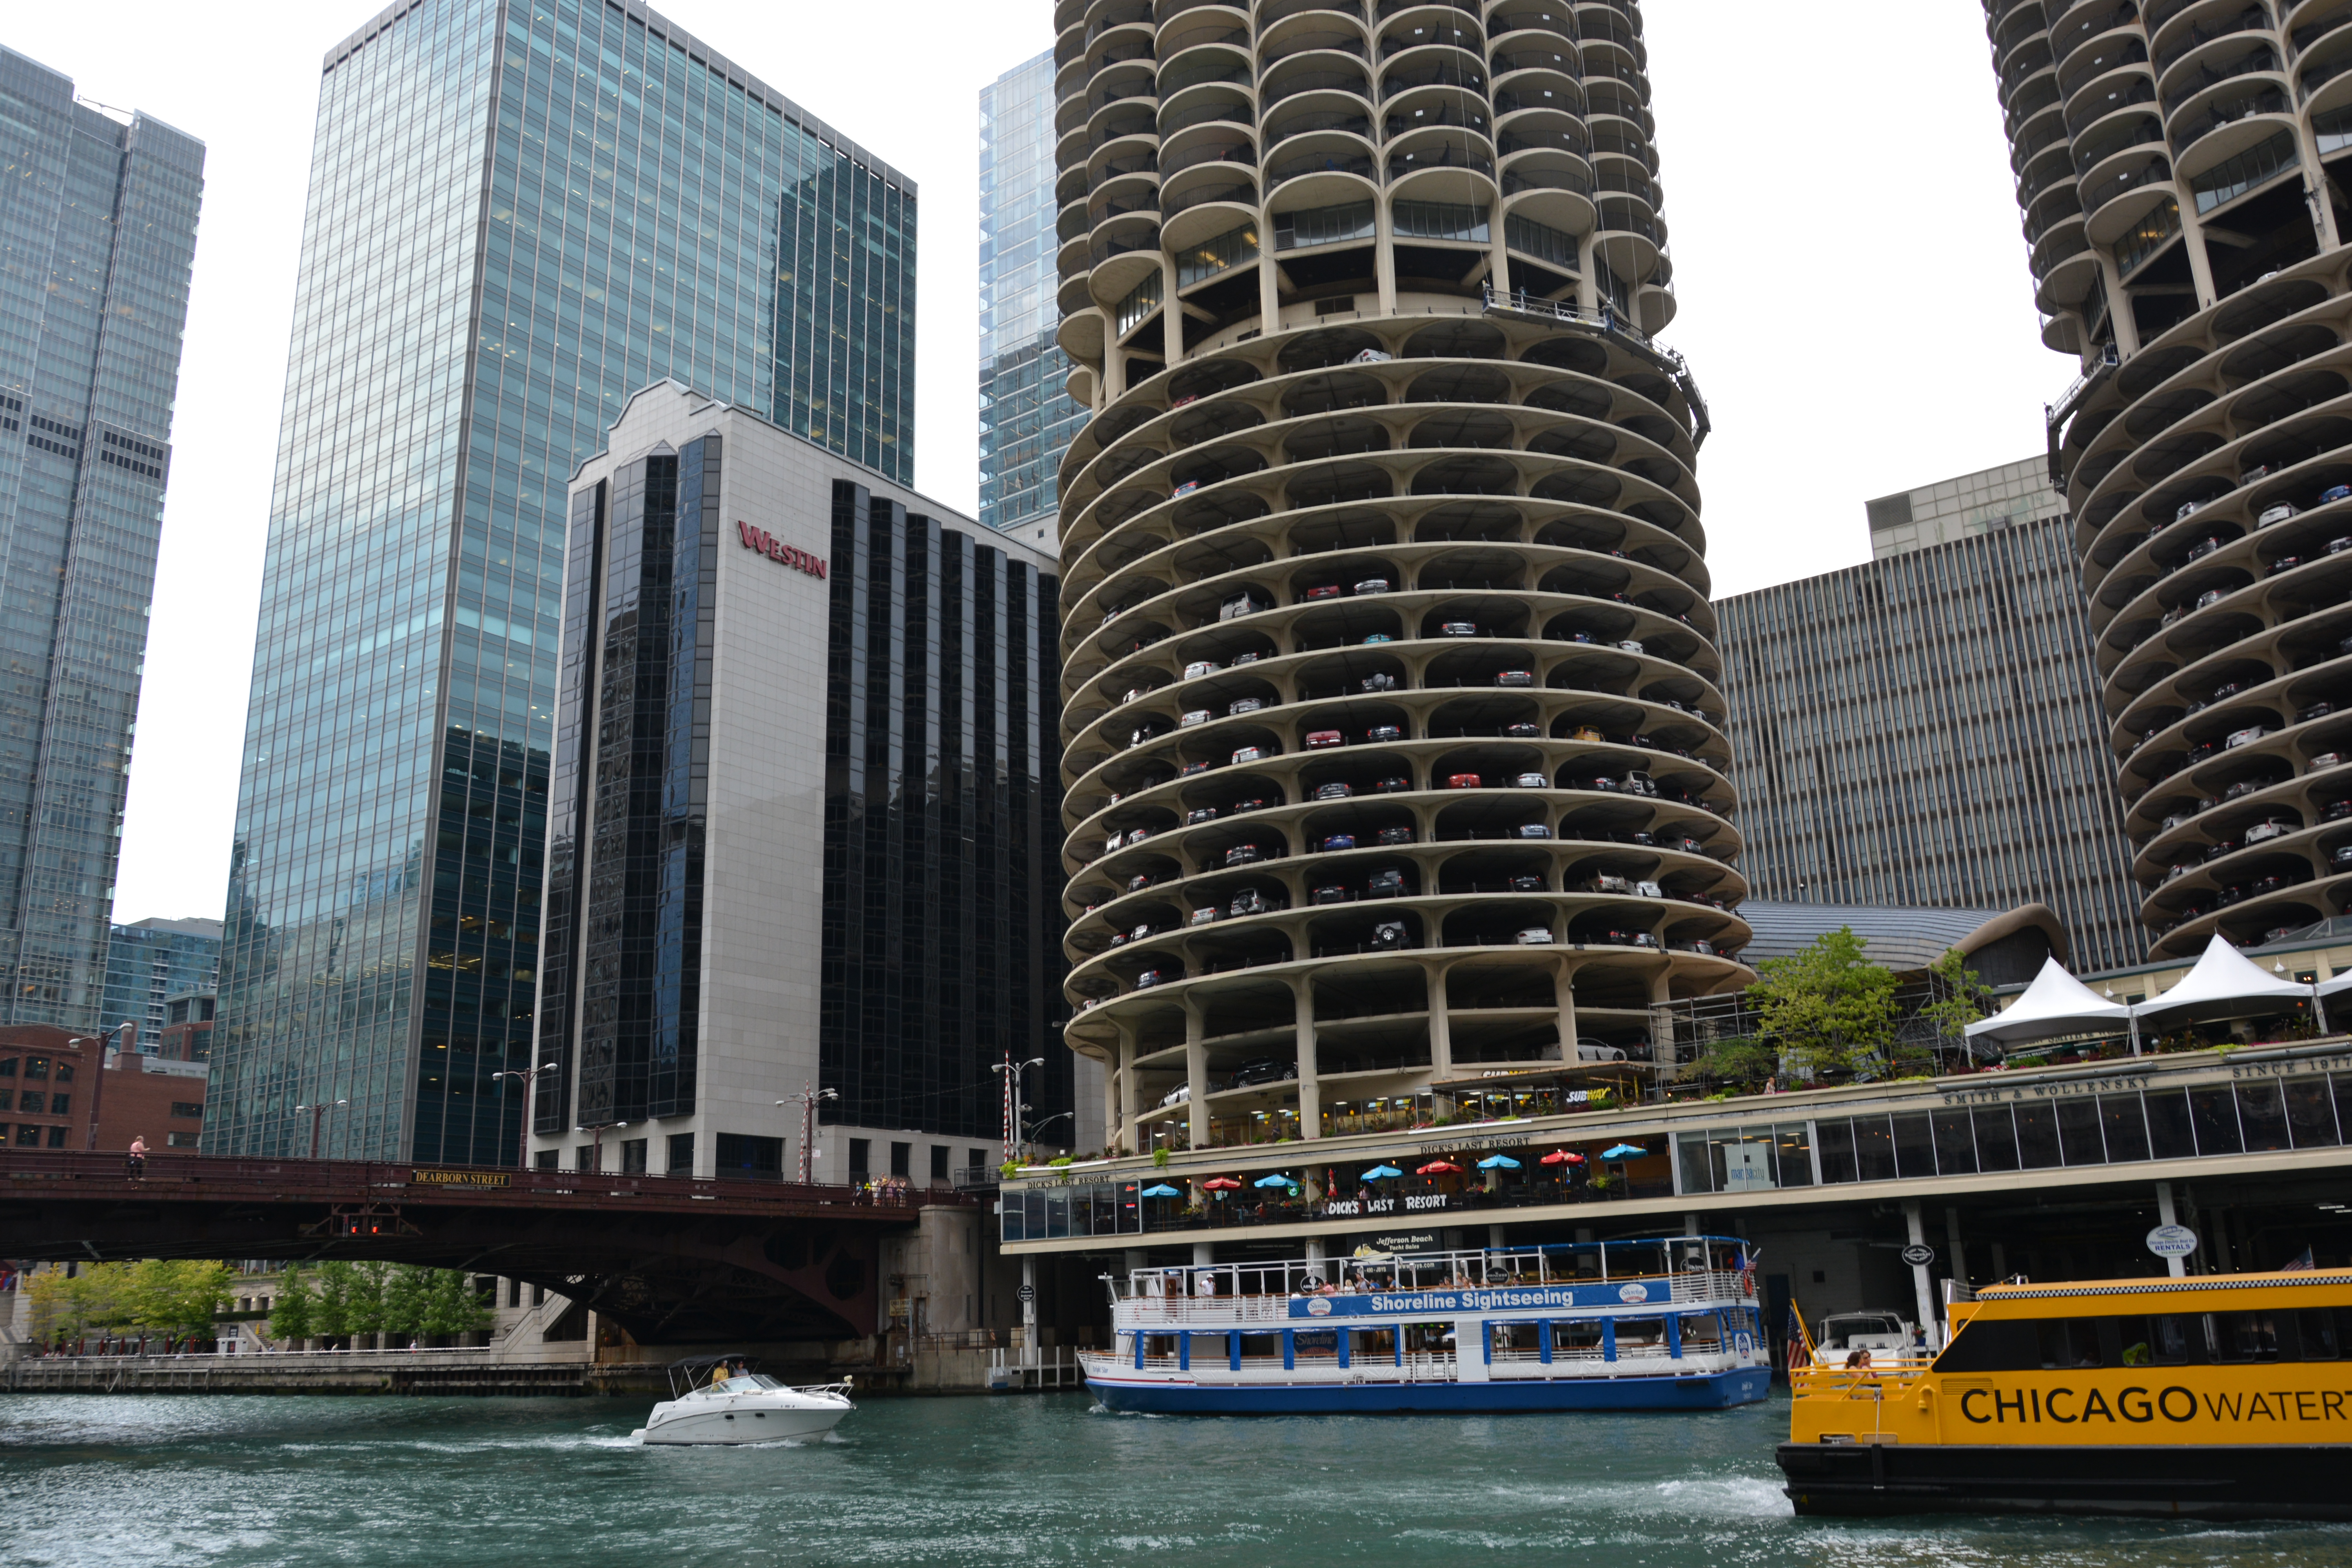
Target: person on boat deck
{"x": 1858, "y": 1360}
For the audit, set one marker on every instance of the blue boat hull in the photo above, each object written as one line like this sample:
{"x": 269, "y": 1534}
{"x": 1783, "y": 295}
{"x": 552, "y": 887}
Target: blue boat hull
{"x": 1718, "y": 1392}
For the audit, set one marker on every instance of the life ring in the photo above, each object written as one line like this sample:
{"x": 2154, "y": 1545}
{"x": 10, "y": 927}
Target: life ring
{"x": 1748, "y": 1285}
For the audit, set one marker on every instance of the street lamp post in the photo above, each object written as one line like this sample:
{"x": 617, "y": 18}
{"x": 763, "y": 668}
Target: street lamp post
{"x": 1013, "y": 1104}
{"x": 529, "y": 1076}
{"x": 806, "y": 1100}
{"x": 1036, "y": 1127}
{"x": 317, "y": 1112}
{"x": 596, "y": 1143}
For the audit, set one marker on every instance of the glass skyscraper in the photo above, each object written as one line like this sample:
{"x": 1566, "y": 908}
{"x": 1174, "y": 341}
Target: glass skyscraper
{"x": 151, "y": 960}
{"x": 98, "y": 230}
{"x": 1025, "y": 418}
{"x": 519, "y": 213}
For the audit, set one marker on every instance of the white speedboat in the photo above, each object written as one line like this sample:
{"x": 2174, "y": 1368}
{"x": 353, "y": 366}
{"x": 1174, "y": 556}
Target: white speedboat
{"x": 719, "y": 1400}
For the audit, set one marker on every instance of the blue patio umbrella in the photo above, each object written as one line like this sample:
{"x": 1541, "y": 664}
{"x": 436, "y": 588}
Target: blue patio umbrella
{"x": 1623, "y": 1152}
{"x": 1163, "y": 1191}
{"x": 1379, "y": 1171}
{"x": 1271, "y": 1181}
{"x": 1499, "y": 1163}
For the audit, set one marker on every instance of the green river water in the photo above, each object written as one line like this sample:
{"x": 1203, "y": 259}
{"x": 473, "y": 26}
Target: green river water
{"x": 967, "y": 1483}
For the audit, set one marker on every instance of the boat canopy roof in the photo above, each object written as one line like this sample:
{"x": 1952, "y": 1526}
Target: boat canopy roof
{"x": 697, "y": 1362}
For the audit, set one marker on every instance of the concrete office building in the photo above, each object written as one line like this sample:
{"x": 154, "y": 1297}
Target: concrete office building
{"x": 1926, "y": 730}
{"x": 1952, "y": 508}
{"x": 1393, "y": 734}
{"x": 803, "y": 815}
{"x": 517, "y": 215}
{"x": 149, "y": 962}
{"x": 97, "y": 229}
{"x": 1026, "y": 415}
{"x": 2181, "y": 172}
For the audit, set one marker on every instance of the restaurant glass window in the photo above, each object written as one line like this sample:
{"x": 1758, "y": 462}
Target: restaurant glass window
{"x": 2078, "y": 1133}
{"x": 1833, "y": 1137}
{"x": 1915, "y": 1145}
{"x": 1691, "y": 1156}
{"x": 1794, "y": 1157}
{"x": 1996, "y": 1138}
{"x": 2310, "y": 1113}
{"x": 2037, "y": 1136}
{"x": 2261, "y": 1115}
{"x": 2341, "y": 1084}
{"x": 2125, "y": 1128}
{"x": 2214, "y": 1112}
{"x": 1874, "y": 1148}
{"x": 1955, "y": 1143}
{"x": 2171, "y": 1132}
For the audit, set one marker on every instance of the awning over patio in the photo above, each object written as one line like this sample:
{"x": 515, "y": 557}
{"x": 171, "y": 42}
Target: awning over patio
{"x": 2225, "y": 983}
{"x": 2056, "y": 1004}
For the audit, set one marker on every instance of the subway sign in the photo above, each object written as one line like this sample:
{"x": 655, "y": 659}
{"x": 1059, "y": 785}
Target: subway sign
{"x": 776, "y": 550}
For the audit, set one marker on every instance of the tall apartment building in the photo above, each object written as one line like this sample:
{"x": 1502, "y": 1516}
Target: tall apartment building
{"x": 98, "y": 231}
{"x": 1393, "y": 715}
{"x": 149, "y": 962}
{"x": 2181, "y": 172}
{"x": 1026, "y": 418}
{"x": 517, "y": 215}
{"x": 1925, "y": 730}
{"x": 1956, "y": 508}
{"x": 803, "y": 805}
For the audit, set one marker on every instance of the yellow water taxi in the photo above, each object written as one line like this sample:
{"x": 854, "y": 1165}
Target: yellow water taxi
{"x": 2216, "y": 1396}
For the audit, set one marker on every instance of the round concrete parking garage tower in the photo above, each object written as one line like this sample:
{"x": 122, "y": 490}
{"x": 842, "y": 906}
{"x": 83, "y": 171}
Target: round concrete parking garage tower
{"x": 1392, "y": 722}
{"x": 2181, "y": 166}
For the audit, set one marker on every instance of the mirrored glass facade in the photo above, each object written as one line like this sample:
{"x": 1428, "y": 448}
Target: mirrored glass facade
{"x": 98, "y": 230}
{"x": 1026, "y": 419}
{"x": 150, "y": 961}
{"x": 519, "y": 213}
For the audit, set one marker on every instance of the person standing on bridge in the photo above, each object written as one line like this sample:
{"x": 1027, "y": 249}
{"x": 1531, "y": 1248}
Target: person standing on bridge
{"x": 137, "y": 1161}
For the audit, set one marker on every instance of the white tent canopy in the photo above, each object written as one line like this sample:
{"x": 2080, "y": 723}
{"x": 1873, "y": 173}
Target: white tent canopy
{"x": 2336, "y": 985}
{"x": 2224, "y": 978}
{"x": 2055, "y": 1004}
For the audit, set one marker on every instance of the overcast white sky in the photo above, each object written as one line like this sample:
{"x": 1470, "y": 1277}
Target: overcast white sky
{"x": 1854, "y": 298}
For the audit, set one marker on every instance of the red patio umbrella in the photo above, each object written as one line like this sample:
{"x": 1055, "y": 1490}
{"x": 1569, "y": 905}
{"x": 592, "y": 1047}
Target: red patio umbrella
{"x": 1438, "y": 1167}
{"x": 1562, "y": 1157}
{"x": 1221, "y": 1185}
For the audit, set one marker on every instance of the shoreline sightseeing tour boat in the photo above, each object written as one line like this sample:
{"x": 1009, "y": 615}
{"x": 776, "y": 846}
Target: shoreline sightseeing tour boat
{"x": 1661, "y": 1324}
{"x": 717, "y": 1400}
{"x": 2217, "y": 1397}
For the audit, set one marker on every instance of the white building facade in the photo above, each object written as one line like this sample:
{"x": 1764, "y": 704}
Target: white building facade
{"x": 801, "y": 817}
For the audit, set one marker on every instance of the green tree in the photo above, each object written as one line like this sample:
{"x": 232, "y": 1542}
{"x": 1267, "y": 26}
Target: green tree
{"x": 405, "y": 1289}
{"x": 336, "y": 1313}
{"x": 1960, "y": 998}
{"x": 295, "y": 1313}
{"x": 451, "y": 1306}
{"x": 371, "y": 1283}
{"x": 1744, "y": 1060}
{"x": 1829, "y": 1007}
{"x": 176, "y": 1295}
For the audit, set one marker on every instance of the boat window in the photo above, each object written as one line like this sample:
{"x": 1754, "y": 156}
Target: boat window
{"x": 2322, "y": 1331}
{"x": 1261, "y": 1347}
{"x": 1577, "y": 1339}
{"x": 2069, "y": 1341}
{"x": 1319, "y": 1342}
{"x": 1702, "y": 1333}
{"x": 1373, "y": 1345}
{"x": 1519, "y": 1339}
{"x": 2131, "y": 1345}
{"x": 1992, "y": 1345}
{"x": 1641, "y": 1337}
{"x": 2242, "y": 1336}
{"x": 2178, "y": 1340}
